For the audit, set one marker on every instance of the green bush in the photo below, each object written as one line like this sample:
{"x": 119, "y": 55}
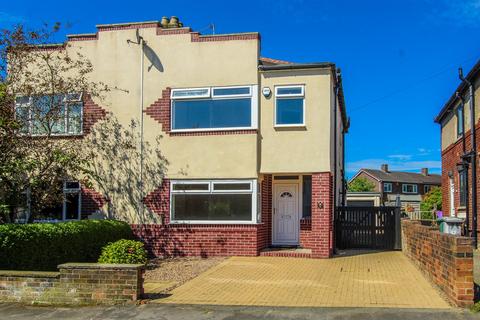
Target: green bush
{"x": 124, "y": 251}
{"x": 43, "y": 246}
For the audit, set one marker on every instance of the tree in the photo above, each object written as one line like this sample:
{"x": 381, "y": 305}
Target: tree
{"x": 361, "y": 184}
{"x": 431, "y": 201}
{"x": 38, "y": 104}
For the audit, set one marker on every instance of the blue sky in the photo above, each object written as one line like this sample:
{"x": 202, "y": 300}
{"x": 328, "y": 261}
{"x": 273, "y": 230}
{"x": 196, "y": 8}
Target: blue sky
{"x": 399, "y": 59}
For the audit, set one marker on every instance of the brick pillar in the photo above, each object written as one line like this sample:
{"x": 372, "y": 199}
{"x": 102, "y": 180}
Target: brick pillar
{"x": 265, "y": 230}
{"x": 322, "y": 215}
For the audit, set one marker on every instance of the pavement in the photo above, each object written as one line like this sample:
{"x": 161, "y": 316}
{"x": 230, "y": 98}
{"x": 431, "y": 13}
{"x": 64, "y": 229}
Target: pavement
{"x": 372, "y": 280}
{"x": 182, "y": 312}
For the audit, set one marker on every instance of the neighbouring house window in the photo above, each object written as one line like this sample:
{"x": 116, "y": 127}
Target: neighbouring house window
{"x": 60, "y": 114}
{"x": 427, "y": 188}
{"x": 462, "y": 186}
{"x": 460, "y": 123}
{"x": 68, "y": 209}
{"x": 307, "y": 197}
{"x": 216, "y": 108}
{"x": 387, "y": 187}
{"x": 409, "y": 188}
{"x": 214, "y": 201}
{"x": 289, "y": 106}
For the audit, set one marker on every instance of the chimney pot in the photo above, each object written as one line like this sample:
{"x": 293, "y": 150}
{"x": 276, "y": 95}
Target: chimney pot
{"x": 384, "y": 167}
{"x": 425, "y": 171}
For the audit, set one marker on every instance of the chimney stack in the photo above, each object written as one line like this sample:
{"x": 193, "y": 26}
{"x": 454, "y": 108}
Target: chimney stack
{"x": 425, "y": 171}
{"x": 384, "y": 167}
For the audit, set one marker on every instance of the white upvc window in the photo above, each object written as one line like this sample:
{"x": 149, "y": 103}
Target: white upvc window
{"x": 60, "y": 114}
{"x": 213, "y": 201}
{"x": 214, "y": 108}
{"x": 289, "y": 106}
{"x": 387, "y": 187}
{"x": 409, "y": 188}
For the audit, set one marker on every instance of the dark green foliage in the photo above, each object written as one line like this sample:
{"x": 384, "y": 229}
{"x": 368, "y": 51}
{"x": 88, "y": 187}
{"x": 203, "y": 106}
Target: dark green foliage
{"x": 124, "y": 251}
{"x": 432, "y": 200}
{"x": 43, "y": 246}
{"x": 361, "y": 184}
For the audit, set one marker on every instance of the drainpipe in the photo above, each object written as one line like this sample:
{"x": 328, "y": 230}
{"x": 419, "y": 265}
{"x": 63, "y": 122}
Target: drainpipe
{"x": 465, "y": 167}
{"x": 473, "y": 154}
{"x": 335, "y": 138}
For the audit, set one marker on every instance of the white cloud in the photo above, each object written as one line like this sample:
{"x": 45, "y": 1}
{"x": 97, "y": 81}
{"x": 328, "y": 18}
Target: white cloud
{"x": 394, "y": 164}
{"x": 460, "y": 12}
{"x": 400, "y": 156}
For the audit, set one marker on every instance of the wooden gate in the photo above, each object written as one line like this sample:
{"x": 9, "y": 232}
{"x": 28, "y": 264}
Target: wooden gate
{"x": 367, "y": 228}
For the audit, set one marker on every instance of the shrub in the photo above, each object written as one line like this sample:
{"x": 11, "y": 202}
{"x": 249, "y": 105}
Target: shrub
{"x": 43, "y": 246}
{"x": 123, "y": 251}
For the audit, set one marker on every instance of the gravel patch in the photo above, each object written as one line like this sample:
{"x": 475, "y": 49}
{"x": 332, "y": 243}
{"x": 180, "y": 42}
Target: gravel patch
{"x": 178, "y": 270}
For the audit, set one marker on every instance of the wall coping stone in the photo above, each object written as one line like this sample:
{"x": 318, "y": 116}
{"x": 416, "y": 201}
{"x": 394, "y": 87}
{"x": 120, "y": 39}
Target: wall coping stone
{"x": 29, "y": 274}
{"x": 83, "y": 265}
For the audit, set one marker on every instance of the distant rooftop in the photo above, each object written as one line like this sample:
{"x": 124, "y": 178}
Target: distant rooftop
{"x": 384, "y": 174}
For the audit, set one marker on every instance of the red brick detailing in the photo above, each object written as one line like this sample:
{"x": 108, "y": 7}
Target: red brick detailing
{"x": 450, "y": 157}
{"x": 285, "y": 254}
{"x": 166, "y": 32}
{"x": 91, "y": 202}
{"x": 321, "y": 237}
{"x": 265, "y": 232}
{"x": 196, "y": 37}
{"x": 306, "y": 239}
{"x": 160, "y": 110}
{"x": 446, "y": 259}
{"x": 158, "y": 201}
{"x": 92, "y": 113}
{"x": 82, "y": 37}
{"x": 198, "y": 240}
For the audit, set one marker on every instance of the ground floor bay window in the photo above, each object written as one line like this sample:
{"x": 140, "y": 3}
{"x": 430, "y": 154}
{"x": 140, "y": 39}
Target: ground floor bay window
{"x": 213, "y": 201}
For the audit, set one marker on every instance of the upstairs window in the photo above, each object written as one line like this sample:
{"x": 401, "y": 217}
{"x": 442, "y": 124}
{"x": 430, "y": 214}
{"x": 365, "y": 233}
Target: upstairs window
{"x": 427, "y": 188}
{"x": 60, "y": 114}
{"x": 214, "y": 108}
{"x": 409, "y": 188}
{"x": 387, "y": 187}
{"x": 460, "y": 123}
{"x": 289, "y": 106}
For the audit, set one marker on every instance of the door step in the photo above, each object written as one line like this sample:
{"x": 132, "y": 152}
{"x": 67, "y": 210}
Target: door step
{"x": 286, "y": 252}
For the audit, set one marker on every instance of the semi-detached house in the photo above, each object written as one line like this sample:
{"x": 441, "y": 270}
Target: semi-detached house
{"x": 255, "y": 145}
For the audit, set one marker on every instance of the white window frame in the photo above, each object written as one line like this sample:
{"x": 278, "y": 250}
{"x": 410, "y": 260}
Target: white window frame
{"x": 404, "y": 187}
{"x": 387, "y": 190}
{"x": 427, "y": 186}
{"x": 287, "y": 96}
{"x": 253, "y": 107}
{"x": 71, "y": 190}
{"x": 253, "y": 191}
{"x": 65, "y": 104}
{"x": 207, "y": 95}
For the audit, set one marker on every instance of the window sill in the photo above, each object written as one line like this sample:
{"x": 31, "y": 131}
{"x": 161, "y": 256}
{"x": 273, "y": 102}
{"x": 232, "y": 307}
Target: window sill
{"x": 217, "y": 223}
{"x": 212, "y": 132}
{"x": 290, "y": 127}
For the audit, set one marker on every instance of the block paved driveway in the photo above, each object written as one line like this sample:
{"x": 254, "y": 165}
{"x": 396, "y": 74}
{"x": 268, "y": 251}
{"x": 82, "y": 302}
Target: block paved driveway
{"x": 382, "y": 279}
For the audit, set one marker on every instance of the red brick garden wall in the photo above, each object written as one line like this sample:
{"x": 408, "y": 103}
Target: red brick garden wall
{"x": 446, "y": 259}
{"x": 321, "y": 236}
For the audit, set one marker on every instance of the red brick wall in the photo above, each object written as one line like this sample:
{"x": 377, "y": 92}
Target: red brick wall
{"x": 446, "y": 259}
{"x": 92, "y": 113}
{"x": 450, "y": 158}
{"x": 322, "y": 215}
{"x": 265, "y": 230}
{"x": 91, "y": 201}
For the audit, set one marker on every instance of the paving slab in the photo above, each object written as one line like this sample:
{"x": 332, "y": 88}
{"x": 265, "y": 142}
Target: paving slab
{"x": 380, "y": 279}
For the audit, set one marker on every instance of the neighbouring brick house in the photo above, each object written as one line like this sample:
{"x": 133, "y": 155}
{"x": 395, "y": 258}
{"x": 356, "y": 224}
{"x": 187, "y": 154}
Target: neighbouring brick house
{"x": 254, "y": 144}
{"x": 456, "y": 143}
{"x": 410, "y": 187}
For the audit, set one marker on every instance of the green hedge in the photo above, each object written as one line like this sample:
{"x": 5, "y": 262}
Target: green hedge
{"x": 124, "y": 251}
{"x": 43, "y": 246}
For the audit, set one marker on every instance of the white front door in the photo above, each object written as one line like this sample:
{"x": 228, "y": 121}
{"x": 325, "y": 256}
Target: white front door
{"x": 286, "y": 222}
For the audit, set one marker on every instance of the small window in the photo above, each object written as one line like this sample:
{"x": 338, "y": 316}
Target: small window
{"x": 460, "y": 123}
{"x": 191, "y": 187}
{"x": 231, "y": 91}
{"x": 232, "y": 186}
{"x": 307, "y": 197}
{"x": 290, "y": 106}
{"x": 387, "y": 187}
{"x": 191, "y": 93}
{"x": 427, "y": 188}
{"x": 409, "y": 188}
{"x": 462, "y": 186}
